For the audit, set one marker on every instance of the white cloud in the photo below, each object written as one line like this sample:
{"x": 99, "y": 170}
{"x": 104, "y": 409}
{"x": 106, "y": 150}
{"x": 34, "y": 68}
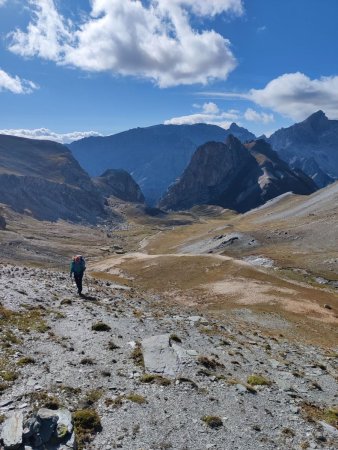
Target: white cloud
{"x": 254, "y": 116}
{"x": 210, "y": 113}
{"x": 293, "y": 95}
{"x": 210, "y": 108}
{"x": 126, "y": 37}
{"x": 2, "y": 2}
{"x": 297, "y": 96}
{"x": 45, "y": 134}
{"x": 15, "y": 84}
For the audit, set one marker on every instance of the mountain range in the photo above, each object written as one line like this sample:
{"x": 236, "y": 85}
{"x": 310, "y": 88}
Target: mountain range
{"x": 235, "y": 176}
{"x": 311, "y": 145}
{"x": 156, "y": 156}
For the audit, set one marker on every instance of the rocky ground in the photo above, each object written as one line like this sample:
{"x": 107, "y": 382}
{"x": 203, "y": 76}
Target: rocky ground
{"x": 158, "y": 376}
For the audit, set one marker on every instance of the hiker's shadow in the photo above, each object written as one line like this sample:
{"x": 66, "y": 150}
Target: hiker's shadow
{"x": 88, "y": 297}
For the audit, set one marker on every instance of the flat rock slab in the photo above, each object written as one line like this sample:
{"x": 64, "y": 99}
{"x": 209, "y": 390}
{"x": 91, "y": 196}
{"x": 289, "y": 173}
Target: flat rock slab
{"x": 161, "y": 357}
{"x": 12, "y": 431}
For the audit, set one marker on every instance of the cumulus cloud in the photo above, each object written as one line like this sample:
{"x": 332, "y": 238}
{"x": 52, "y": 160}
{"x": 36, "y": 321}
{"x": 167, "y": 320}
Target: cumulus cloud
{"x": 153, "y": 40}
{"x": 15, "y": 84}
{"x": 297, "y": 96}
{"x": 210, "y": 113}
{"x": 254, "y": 116}
{"x": 293, "y": 95}
{"x": 45, "y": 134}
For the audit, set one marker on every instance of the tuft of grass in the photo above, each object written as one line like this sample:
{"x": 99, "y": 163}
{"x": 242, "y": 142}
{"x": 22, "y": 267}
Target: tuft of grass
{"x": 189, "y": 381}
{"x": 3, "y": 387}
{"x": 209, "y": 363}
{"x": 87, "y": 362}
{"x": 93, "y": 396}
{"x": 24, "y": 361}
{"x": 136, "y": 398}
{"x": 86, "y": 423}
{"x": 288, "y": 432}
{"x": 314, "y": 413}
{"x": 112, "y": 346}
{"x": 258, "y": 380}
{"x": 212, "y": 421}
{"x": 2, "y": 418}
{"x": 100, "y": 326}
{"x": 66, "y": 301}
{"x": 175, "y": 338}
{"x": 27, "y": 321}
{"x": 8, "y": 375}
{"x": 155, "y": 379}
{"x": 137, "y": 355}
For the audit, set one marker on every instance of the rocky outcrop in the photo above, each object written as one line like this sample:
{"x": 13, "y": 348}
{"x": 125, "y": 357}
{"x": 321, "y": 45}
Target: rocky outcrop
{"x": 41, "y": 178}
{"x": 120, "y": 184}
{"x": 47, "y": 429}
{"x": 235, "y": 176}
{"x": 155, "y": 156}
{"x": 312, "y": 169}
{"x": 316, "y": 137}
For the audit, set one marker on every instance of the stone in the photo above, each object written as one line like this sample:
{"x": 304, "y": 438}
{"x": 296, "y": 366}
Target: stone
{"x": 12, "y": 431}
{"x": 159, "y": 357}
{"x": 329, "y": 428}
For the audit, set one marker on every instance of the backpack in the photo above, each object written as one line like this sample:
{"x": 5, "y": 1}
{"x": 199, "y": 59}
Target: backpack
{"x": 78, "y": 264}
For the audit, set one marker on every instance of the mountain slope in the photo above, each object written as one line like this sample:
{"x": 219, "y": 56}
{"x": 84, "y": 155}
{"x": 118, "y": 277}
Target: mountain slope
{"x": 314, "y": 138}
{"x": 42, "y": 178}
{"x": 234, "y": 176}
{"x": 155, "y": 156}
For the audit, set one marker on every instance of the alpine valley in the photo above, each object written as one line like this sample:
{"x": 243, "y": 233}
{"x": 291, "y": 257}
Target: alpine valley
{"x": 209, "y": 312}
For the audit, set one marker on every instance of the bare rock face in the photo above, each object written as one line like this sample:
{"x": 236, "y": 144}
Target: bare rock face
{"x": 317, "y": 138}
{"x": 235, "y": 176}
{"x": 43, "y": 179}
{"x": 120, "y": 184}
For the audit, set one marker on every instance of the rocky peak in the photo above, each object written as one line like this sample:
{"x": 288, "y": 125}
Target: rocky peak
{"x": 234, "y": 176}
{"x": 120, "y": 184}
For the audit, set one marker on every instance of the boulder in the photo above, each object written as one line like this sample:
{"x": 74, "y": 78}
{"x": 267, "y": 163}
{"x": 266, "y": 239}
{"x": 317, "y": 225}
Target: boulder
{"x": 162, "y": 357}
{"x": 12, "y": 431}
{"x": 50, "y": 429}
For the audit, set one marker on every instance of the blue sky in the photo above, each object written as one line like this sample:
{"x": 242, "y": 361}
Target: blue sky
{"x": 109, "y": 65}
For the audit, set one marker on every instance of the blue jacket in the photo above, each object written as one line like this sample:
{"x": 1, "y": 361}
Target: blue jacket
{"x": 77, "y": 266}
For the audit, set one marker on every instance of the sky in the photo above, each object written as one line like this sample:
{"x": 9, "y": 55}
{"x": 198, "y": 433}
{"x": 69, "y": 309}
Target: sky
{"x": 70, "y": 69}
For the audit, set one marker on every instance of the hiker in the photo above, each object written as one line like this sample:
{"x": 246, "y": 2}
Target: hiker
{"x": 77, "y": 267}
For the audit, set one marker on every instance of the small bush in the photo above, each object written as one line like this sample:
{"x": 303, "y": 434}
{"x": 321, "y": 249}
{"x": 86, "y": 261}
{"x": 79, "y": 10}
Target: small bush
{"x": 213, "y": 421}
{"x": 100, "y": 326}
{"x": 87, "y": 423}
